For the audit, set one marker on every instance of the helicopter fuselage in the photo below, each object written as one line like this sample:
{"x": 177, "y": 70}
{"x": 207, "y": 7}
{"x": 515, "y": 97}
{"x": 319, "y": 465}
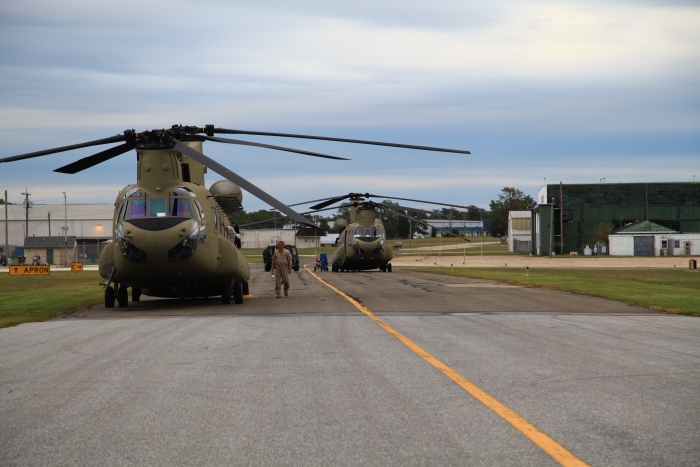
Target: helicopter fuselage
{"x": 170, "y": 236}
{"x": 362, "y": 244}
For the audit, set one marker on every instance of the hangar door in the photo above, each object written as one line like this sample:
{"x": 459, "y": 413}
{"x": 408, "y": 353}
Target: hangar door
{"x": 644, "y": 246}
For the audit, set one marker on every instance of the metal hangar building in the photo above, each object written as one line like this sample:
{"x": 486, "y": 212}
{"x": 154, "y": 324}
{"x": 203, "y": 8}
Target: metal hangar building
{"x": 574, "y": 211}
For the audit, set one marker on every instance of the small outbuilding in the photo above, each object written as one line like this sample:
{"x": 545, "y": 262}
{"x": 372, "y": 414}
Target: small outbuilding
{"x": 52, "y": 250}
{"x": 647, "y": 238}
{"x": 520, "y": 231}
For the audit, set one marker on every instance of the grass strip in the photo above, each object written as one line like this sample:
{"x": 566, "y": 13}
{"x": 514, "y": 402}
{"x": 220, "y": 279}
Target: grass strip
{"x": 673, "y": 291}
{"x": 39, "y": 298}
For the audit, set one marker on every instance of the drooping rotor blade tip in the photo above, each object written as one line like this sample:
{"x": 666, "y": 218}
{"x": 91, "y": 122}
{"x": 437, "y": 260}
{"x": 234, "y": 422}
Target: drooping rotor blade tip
{"x": 111, "y": 139}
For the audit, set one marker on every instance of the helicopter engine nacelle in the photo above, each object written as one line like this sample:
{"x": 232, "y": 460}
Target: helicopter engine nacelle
{"x": 228, "y": 195}
{"x": 340, "y": 224}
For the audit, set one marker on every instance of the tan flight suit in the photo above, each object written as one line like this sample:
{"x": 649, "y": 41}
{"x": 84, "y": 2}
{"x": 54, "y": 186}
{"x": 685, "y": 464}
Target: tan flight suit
{"x": 281, "y": 264}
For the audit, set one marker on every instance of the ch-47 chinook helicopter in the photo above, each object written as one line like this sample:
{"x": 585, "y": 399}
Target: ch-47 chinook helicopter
{"x": 362, "y": 238}
{"x": 172, "y": 237}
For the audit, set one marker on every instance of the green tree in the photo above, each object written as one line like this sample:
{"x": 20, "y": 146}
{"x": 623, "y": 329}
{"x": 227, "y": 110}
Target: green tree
{"x": 474, "y": 213}
{"x": 510, "y": 199}
{"x": 602, "y": 231}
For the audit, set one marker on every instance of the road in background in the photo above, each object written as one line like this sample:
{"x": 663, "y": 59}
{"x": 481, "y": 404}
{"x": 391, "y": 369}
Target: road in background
{"x": 310, "y": 380}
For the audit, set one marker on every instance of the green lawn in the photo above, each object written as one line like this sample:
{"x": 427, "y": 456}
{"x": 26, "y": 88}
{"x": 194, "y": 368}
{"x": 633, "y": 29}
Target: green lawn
{"x": 38, "y": 298}
{"x": 674, "y": 291}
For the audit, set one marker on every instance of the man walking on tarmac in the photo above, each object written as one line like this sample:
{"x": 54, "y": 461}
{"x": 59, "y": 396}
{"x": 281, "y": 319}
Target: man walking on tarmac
{"x": 282, "y": 267}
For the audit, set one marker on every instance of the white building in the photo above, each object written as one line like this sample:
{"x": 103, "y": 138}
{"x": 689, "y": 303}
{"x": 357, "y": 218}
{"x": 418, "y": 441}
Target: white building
{"x": 520, "y": 231}
{"x": 90, "y": 224}
{"x": 646, "y": 238}
{"x": 262, "y": 238}
{"x": 468, "y": 228}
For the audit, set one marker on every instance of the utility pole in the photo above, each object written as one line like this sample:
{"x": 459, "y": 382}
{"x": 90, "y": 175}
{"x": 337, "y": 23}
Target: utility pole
{"x": 551, "y": 230}
{"x": 561, "y": 218}
{"x": 26, "y": 212}
{"x": 65, "y": 230}
{"x": 49, "y": 224}
{"x": 7, "y": 240}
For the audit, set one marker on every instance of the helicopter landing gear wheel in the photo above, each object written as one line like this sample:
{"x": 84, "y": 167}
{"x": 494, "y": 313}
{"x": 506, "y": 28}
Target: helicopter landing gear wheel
{"x": 135, "y": 294}
{"x": 388, "y": 267}
{"x": 268, "y": 267}
{"x": 109, "y": 297}
{"x": 238, "y": 293}
{"x": 246, "y": 288}
{"x": 226, "y": 295}
{"x": 123, "y": 296}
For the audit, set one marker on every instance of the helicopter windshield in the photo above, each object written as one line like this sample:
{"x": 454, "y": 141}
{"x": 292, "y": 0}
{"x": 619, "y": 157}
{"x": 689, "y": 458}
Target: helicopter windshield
{"x": 183, "y": 191}
{"x": 157, "y": 207}
{"x": 176, "y": 207}
{"x": 135, "y": 208}
{"x": 181, "y": 207}
{"x": 374, "y": 232}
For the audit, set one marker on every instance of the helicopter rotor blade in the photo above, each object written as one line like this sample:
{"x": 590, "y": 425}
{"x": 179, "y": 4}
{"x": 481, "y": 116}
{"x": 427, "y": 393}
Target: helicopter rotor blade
{"x": 285, "y": 217}
{"x": 422, "y": 211}
{"x": 237, "y": 179}
{"x": 369, "y": 195}
{"x": 269, "y": 146}
{"x": 421, "y": 201}
{"x": 97, "y": 142}
{"x": 383, "y": 206}
{"x": 335, "y": 199}
{"x": 314, "y": 200}
{"x": 342, "y": 140}
{"x": 100, "y": 157}
{"x": 320, "y": 206}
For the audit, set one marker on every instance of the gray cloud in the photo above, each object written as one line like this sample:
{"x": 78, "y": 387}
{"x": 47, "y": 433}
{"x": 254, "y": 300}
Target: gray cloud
{"x": 520, "y": 83}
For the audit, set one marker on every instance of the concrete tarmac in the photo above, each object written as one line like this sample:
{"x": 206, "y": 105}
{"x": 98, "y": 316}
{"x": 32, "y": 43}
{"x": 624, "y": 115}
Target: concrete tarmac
{"x": 310, "y": 380}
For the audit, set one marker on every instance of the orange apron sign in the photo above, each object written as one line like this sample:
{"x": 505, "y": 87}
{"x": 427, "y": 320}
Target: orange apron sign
{"x": 30, "y": 270}
{"x": 76, "y": 266}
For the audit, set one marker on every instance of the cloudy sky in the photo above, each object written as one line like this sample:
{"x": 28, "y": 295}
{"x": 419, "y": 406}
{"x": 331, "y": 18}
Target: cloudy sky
{"x": 570, "y": 91}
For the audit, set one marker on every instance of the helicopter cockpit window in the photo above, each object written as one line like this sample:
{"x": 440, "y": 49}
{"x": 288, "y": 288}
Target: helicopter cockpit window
{"x": 199, "y": 210}
{"x": 121, "y": 210}
{"x": 183, "y": 191}
{"x": 157, "y": 207}
{"x": 134, "y": 193}
{"x": 181, "y": 207}
{"x": 361, "y": 231}
{"x": 135, "y": 208}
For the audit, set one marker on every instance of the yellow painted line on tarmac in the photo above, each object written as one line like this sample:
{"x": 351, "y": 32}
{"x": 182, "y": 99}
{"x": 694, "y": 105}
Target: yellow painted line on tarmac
{"x": 558, "y": 452}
